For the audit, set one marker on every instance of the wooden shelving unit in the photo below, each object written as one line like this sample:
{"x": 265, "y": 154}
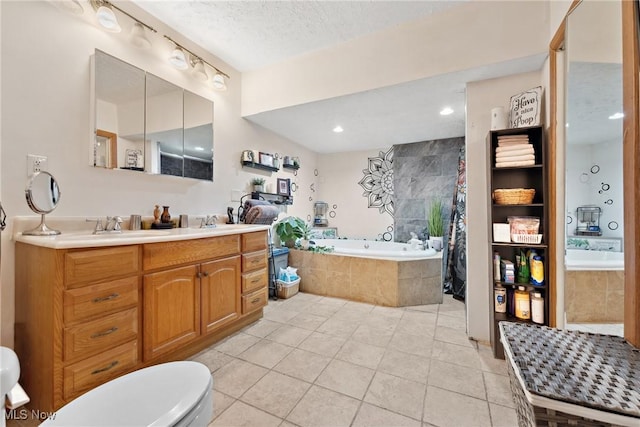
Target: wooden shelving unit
{"x": 534, "y": 176}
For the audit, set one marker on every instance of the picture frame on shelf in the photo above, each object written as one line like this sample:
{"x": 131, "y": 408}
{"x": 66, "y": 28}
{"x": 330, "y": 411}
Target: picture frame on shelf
{"x": 284, "y": 187}
{"x": 266, "y": 159}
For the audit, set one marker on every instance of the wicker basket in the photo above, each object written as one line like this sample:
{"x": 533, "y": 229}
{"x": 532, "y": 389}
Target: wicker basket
{"x": 288, "y": 289}
{"x": 514, "y": 196}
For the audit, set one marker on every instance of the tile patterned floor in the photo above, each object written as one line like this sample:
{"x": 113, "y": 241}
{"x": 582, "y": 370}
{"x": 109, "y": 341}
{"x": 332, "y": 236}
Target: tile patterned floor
{"x": 320, "y": 361}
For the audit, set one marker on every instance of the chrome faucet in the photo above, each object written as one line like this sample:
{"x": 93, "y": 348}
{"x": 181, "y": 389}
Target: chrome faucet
{"x": 113, "y": 224}
{"x": 208, "y": 222}
{"x": 98, "y": 228}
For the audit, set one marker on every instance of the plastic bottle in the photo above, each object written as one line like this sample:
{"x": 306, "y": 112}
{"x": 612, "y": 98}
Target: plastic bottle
{"x": 496, "y": 266}
{"x": 500, "y": 299}
{"x": 523, "y": 268}
{"x": 523, "y": 307}
{"x": 537, "y": 308}
{"x": 537, "y": 271}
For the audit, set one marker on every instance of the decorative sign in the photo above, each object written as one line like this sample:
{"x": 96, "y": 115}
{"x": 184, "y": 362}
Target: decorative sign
{"x": 525, "y": 108}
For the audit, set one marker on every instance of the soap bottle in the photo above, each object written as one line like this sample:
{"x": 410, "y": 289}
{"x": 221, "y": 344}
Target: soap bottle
{"x": 537, "y": 308}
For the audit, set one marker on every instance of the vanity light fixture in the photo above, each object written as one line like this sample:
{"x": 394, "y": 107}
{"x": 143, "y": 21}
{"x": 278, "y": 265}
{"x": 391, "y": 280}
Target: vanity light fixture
{"x": 138, "y": 36}
{"x": 218, "y": 81}
{"x": 219, "y": 77}
{"x": 616, "y": 116}
{"x": 446, "y": 111}
{"x": 198, "y": 69}
{"x": 338, "y": 129}
{"x": 178, "y": 59}
{"x": 105, "y": 16}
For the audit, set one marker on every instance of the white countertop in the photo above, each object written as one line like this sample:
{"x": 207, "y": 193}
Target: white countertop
{"x": 85, "y": 239}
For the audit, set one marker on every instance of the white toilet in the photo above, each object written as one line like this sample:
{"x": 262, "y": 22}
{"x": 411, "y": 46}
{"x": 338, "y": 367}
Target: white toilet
{"x": 169, "y": 394}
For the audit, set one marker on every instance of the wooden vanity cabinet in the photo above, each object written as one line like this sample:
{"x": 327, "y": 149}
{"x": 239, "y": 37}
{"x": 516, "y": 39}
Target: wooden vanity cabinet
{"x": 85, "y": 316}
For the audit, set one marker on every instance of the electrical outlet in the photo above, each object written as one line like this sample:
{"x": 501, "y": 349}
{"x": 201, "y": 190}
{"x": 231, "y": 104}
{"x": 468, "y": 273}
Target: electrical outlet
{"x": 36, "y": 163}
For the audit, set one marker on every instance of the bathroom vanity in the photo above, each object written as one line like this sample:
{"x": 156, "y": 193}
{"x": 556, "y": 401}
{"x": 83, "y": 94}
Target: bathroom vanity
{"x": 91, "y": 308}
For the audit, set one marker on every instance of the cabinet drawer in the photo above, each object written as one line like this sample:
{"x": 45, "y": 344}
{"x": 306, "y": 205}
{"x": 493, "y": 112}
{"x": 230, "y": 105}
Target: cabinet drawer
{"x": 254, "y": 280}
{"x": 100, "y": 264}
{"x": 92, "y": 337}
{"x": 92, "y": 372}
{"x": 254, "y": 241}
{"x": 166, "y": 254}
{"x": 254, "y": 260}
{"x": 254, "y": 300}
{"x": 100, "y": 299}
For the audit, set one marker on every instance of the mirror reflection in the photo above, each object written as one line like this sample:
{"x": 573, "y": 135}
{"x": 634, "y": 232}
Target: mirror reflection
{"x": 145, "y": 123}
{"x": 42, "y": 194}
{"x": 119, "y": 90}
{"x": 594, "y": 180}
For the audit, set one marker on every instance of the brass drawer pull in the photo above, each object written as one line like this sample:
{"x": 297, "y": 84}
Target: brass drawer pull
{"x": 255, "y": 300}
{"x": 256, "y": 280}
{"x": 107, "y": 298}
{"x": 103, "y": 333}
{"x": 106, "y": 368}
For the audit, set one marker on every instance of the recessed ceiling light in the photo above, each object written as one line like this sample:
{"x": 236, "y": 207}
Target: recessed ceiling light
{"x": 446, "y": 111}
{"x": 616, "y": 116}
{"x": 338, "y": 129}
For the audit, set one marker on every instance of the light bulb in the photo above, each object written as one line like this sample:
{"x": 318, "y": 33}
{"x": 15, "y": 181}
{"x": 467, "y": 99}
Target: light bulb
{"x": 178, "y": 59}
{"x": 108, "y": 19}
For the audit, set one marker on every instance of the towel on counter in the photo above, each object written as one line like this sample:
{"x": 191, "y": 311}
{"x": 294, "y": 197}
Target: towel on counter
{"x": 512, "y": 164}
{"x": 520, "y": 158}
{"x": 512, "y": 153}
{"x": 514, "y": 147}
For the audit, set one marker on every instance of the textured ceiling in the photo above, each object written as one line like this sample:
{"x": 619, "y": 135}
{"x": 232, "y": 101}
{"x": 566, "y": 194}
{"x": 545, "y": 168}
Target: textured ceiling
{"x": 251, "y": 34}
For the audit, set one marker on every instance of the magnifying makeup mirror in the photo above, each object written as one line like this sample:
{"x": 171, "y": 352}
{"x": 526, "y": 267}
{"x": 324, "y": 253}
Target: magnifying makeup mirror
{"x": 43, "y": 195}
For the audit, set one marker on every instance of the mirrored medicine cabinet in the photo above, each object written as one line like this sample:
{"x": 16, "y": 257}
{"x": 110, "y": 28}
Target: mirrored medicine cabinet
{"x": 147, "y": 124}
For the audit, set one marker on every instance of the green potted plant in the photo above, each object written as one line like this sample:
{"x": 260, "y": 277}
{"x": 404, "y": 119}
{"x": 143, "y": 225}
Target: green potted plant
{"x": 435, "y": 224}
{"x": 289, "y": 229}
{"x": 306, "y": 235}
{"x": 258, "y": 184}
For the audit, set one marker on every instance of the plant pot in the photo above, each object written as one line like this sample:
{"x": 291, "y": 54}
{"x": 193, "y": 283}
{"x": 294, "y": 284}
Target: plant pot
{"x": 290, "y": 243}
{"x": 304, "y": 244}
{"x": 435, "y": 242}
{"x": 258, "y": 188}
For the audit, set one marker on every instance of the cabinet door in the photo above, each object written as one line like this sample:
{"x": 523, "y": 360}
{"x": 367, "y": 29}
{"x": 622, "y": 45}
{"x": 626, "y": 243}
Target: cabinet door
{"x": 171, "y": 310}
{"x": 220, "y": 288}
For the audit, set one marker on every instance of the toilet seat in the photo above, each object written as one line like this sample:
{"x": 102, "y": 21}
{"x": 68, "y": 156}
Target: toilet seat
{"x": 169, "y": 394}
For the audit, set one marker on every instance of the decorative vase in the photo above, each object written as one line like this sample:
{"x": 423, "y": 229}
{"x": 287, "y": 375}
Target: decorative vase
{"x": 156, "y": 215}
{"x": 165, "y": 217}
{"x": 436, "y": 242}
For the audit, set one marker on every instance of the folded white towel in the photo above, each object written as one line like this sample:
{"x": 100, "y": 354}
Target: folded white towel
{"x": 511, "y": 143}
{"x": 512, "y": 164}
{"x": 523, "y": 152}
{"x": 521, "y": 158}
{"x": 512, "y": 137}
{"x": 513, "y": 147}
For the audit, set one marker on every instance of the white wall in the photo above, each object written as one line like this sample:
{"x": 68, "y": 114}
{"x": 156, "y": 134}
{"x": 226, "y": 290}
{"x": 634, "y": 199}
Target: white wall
{"x": 585, "y": 189}
{"x": 338, "y": 177}
{"x": 473, "y": 34}
{"x": 45, "y": 110}
{"x": 482, "y": 96}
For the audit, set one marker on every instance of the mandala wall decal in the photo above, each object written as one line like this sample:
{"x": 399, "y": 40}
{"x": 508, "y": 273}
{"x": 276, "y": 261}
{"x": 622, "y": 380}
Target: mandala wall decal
{"x": 378, "y": 182}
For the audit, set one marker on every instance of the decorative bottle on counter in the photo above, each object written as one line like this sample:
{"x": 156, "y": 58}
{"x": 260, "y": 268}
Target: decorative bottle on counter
{"x": 156, "y": 215}
{"x": 165, "y": 217}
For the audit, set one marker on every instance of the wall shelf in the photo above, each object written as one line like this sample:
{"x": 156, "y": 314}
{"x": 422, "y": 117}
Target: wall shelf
{"x": 291, "y": 167}
{"x": 259, "y": 166}
{"x": 276, "y": 199}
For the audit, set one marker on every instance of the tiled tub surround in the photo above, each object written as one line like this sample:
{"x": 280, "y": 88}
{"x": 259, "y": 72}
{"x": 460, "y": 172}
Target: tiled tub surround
{"x": 377, "y": 281}
{"x": 422, "y": 171}
{"x": 594, "y": 296}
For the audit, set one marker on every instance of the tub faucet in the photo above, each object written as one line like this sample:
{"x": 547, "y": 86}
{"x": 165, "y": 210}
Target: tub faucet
{"x": 415, "y": 242}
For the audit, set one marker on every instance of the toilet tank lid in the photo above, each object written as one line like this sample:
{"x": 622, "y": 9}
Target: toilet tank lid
{"x": 159, "y": 395}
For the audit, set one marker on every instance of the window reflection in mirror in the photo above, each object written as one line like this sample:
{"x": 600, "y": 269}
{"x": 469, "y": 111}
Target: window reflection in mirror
{"x": 119, "y": 94}
{"x": 198, "y": 137}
